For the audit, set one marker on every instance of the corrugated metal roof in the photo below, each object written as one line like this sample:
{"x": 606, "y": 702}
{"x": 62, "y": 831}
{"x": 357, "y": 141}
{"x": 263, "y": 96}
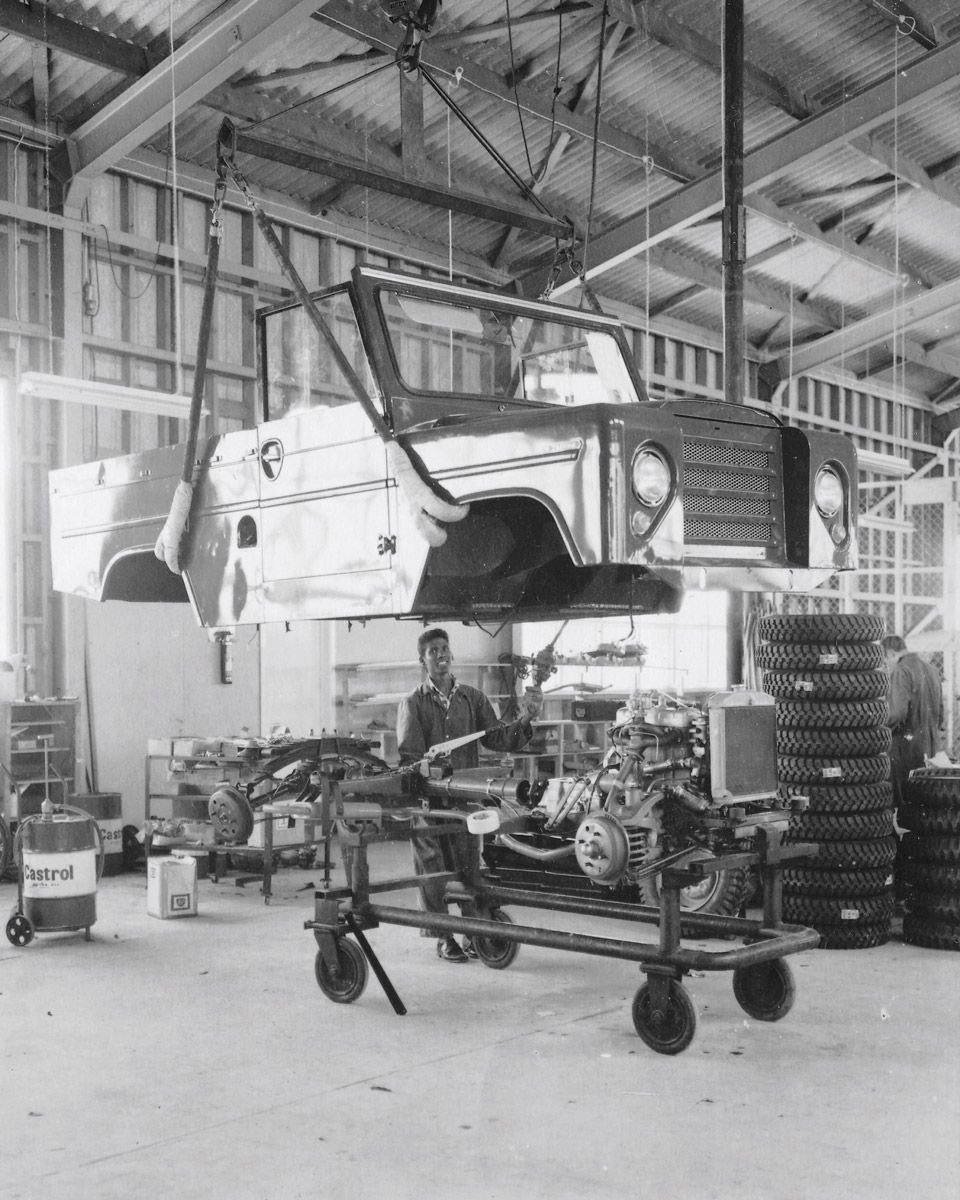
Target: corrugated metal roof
{"x": 661, "y": 126}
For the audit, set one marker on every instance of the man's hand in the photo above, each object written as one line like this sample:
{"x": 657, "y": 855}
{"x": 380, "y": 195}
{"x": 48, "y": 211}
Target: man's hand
{"x": 532, "y": 705}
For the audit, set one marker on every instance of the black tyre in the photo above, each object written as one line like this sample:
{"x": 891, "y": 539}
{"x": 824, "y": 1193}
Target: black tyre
{"x": 825, "y": 685}
{"x": 133, "y": 851}
{"x": 350, "y": 980}
{"x": 831, "y": 714}
{"x": 932, "y": 877}
{"x": 934, "y": 906}
{"x": 935, "y": 935}
{"x": 847, "y": 798}
{"x": 497, "y": 953}
{"x": 833, "y": 770}
{"x": 855, "y": 855}
{"x": 724, "y": 892}
{"x": 806, "y": 881}
{"x": 925, "y": 819}
{"x": 845, "y": 743}
{"x": 854, "y": 937}
{"x": 765, "y": 991}
{"x": 807, "y": 656}
{"x": 919, "y": 847}
{"x": 934, "y": 785}
{"x": 848, "y": 910}
{"x": 669, "y": 1031}
{"x": 821, "y": 627}
{"x": 814, "y": 826}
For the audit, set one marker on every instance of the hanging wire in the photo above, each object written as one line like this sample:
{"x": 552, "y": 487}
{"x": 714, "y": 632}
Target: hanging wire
{"x": 46, "y": 190}
{"x": 119, "y": 286}
{"x": 524, "y": 188}
{"x": 557, "y": 78}
{"x": 643, "y": 56}
{"x": 384, "y": 66}
{"x": 516, "y": 95}
{"x": 897, "y": 293}
{"x": 843, "y": 233}
{"x": 452, "y": 84}
{"x": 175, "y": 221}
{"x": 596, "y": 142}
{"x": 793, "y": 242}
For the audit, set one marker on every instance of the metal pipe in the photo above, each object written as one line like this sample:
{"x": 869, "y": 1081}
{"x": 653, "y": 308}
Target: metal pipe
{"x": 787, "y": 940}
{"x": 515, "y": 791}
{"x": 709, "y": 924}
{"x": 571, "y": 798}
{"x": 535, "y": 852}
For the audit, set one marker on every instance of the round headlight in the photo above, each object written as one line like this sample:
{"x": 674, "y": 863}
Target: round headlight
{"x": 651, "y": 477}
{"x": 828, "y": 492}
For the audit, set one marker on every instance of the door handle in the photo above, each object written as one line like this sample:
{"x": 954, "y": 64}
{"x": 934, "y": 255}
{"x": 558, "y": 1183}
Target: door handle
{"x": 271, "y": 457}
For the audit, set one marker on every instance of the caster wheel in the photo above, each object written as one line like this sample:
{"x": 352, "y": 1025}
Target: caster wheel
{"x": 497, "y": 953}
{"x": 351, "y": 977}
{"x": 671, "y": 1029}
{"x": 765, "y": 991}
{"x": 20, "y": 930}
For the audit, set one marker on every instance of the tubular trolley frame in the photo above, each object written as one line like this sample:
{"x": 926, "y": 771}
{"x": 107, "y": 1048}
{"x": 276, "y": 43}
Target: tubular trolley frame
{"x": 663, "y": 1013}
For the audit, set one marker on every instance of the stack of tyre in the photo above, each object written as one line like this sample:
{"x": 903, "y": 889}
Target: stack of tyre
{"x": 833, "y": 748}
{"x": 930, "y": 814}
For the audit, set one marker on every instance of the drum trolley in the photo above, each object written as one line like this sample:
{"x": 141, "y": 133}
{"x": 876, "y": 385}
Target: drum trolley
{"x": 663, "y": 1013}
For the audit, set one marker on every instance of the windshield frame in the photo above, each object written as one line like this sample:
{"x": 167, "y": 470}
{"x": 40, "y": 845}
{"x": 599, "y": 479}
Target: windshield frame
{"x": 371, "y": 283}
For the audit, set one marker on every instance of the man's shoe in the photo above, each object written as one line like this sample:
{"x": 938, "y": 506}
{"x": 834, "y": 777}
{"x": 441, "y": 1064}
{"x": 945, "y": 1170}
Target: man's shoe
{"x": 469, "y": 948}
{"x": 449, "y": 951}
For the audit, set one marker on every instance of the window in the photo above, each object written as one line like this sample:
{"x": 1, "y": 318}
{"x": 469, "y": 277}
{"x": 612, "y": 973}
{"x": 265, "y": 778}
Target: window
{"x": 475, "y": 350}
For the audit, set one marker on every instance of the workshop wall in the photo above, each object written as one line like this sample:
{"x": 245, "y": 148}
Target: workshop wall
{"x": 153, "y": 673}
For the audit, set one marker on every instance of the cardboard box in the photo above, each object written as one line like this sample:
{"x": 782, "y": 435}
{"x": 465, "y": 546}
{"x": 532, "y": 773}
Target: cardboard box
{"x": 195, "y": 747}
{"x": 286, "y": 832}
{"x": 172, "y": 886}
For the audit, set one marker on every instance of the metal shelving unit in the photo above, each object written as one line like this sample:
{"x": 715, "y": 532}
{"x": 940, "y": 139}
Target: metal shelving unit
{"x": 26, "y": 727}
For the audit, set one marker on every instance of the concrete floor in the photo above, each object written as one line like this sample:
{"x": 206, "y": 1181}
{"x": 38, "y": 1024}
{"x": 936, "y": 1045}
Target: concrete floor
{"x": 198, "y": 1058}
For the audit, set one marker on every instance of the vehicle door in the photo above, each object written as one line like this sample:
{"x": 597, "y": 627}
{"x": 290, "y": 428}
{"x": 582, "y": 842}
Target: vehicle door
{"x": 326, "y": 526}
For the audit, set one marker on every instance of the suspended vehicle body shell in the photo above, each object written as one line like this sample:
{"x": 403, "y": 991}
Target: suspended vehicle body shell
{"x": 585, "y": 497}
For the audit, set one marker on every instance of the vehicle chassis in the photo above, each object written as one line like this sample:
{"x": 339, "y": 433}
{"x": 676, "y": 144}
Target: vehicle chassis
{"x": 663, "y": 1013}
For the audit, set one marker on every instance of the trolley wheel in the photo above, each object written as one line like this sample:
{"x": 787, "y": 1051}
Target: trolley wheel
{"x": 351, "y": 977}
{"x": 668, "y": 1031}
{"x": 20, "y": 930}
{"x": 497, "y": 953}
{"x": 766, "y": 991}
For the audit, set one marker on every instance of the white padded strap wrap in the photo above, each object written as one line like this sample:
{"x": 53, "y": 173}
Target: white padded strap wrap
{"x": 425, "y": 505}
{"x": 168, "y": 543}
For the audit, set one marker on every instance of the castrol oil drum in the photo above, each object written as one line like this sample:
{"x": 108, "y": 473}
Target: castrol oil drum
{"x": 58, "y": 864}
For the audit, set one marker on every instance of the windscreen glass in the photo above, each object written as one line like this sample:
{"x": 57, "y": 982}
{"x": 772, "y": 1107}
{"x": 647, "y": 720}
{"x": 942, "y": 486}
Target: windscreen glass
{"x": 481, "y": 351}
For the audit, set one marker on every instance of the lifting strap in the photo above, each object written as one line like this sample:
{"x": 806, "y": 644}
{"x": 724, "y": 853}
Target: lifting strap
{"x": 429, "y": 504}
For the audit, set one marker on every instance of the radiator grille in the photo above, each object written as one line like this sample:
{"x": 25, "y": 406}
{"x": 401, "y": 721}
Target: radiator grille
{"x": 725, "y": 455}
{"x": 730, "y": 493}
{"x": 702, "y": 529}
{"x": 700, "y": 476}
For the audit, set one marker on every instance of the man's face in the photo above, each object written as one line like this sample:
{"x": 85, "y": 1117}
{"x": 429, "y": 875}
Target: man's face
{"x": 890, "y": 658}
{"x": 437, "y": 658}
